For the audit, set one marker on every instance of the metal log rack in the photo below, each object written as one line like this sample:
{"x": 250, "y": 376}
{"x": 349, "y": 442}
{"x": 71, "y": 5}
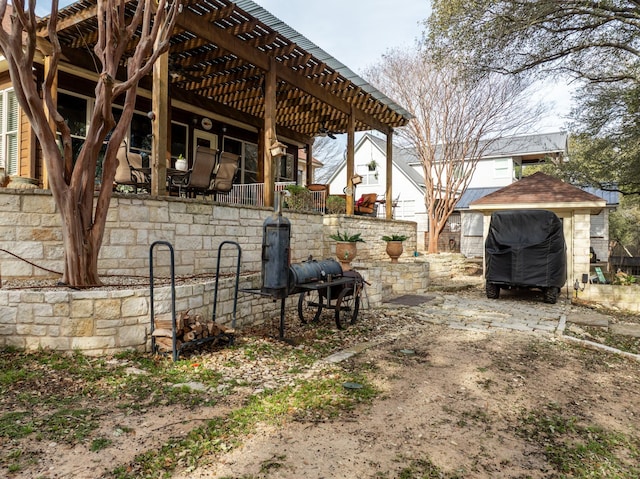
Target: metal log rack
{"x": 200, "y": 341}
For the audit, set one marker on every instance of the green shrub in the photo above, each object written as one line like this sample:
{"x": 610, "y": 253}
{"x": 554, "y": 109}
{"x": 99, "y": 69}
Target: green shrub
{"x": 336, "y": 205}
{"x": 300, "y": 199}
{"x": 394, "y": 238}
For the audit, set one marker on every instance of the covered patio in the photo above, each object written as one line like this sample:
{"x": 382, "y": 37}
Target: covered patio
{"x": 235, "y": 79}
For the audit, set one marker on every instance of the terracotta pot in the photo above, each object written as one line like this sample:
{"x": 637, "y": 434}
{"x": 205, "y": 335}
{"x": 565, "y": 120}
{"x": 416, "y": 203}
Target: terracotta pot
{"x": 22, "y": 183}
{"x": 346, "y": 252}
{"x": 394, "y": 250}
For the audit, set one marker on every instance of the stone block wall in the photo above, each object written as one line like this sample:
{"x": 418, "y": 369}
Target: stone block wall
{"x": 30, "y": 229}
{"x": 102, "y": 321}
{"x": 371, "y": 230}
{"x": 387, "y": 280}
{"x": 612, "y": 295}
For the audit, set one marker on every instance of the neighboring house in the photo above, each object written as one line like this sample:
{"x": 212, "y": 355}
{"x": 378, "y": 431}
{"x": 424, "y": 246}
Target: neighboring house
{"x": 501, "y": 165}
{"x": 218, "y": 95}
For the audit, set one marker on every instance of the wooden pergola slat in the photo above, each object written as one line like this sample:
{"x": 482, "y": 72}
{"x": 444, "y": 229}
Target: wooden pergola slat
{"x": 222, "y": 57}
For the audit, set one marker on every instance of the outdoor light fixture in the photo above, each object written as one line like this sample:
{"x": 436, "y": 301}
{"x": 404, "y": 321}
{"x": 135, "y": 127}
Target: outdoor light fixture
{"x": 151, "y": 115}
{"x": 356, "y": 179}
{"x": 278, "y": 149}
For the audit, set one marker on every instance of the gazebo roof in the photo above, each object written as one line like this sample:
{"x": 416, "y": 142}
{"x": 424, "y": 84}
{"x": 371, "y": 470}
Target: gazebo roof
{"x": 538, "y": 191}
{"x": 220, "y": 50}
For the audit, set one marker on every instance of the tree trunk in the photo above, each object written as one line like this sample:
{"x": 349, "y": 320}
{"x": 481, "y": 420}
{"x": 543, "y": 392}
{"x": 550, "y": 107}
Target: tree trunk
{"x": 80, "y": 243}
{"x": 433, "y": 236}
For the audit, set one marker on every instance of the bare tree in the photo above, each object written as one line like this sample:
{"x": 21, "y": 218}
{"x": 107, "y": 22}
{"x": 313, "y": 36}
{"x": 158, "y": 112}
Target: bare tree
{"x": 72, "y": 179}
{"x": 455, "y": 120}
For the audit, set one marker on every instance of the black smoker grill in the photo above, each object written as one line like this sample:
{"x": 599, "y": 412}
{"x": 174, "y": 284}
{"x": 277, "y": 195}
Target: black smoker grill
{"x": 319, "y": 284}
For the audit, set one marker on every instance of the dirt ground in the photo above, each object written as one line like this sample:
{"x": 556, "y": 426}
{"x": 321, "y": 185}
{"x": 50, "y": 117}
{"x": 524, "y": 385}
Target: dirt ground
{"x": 456, "y": 399}
{"x": 457, "y": 403}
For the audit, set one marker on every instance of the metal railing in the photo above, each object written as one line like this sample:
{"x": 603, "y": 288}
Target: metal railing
{"x": 252, "y": 194}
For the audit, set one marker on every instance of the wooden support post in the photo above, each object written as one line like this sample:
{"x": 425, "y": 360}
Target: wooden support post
{"x": 389, "y": 190}
{"x": 309, "y": 170}
{"x": 160, "y": 126}
{"x": 351, "y": 141}
{"x": 269, "y": 133}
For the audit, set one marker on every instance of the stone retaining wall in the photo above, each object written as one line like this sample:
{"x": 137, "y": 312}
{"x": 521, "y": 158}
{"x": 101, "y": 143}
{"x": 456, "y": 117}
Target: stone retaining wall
{"x": 105, "y": 321}
{"x": 371, "y": 230}
{"x": 30, "y": 229}
{"x": 100, "y": 322}
{"x": 612, "y": 296}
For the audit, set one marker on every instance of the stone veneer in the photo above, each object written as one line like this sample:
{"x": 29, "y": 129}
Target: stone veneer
{"x": 104, "y": 321}
{"x": 626, "y": 297}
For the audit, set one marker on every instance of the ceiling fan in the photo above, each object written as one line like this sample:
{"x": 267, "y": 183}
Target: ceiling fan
{"x": 324, "y": 131}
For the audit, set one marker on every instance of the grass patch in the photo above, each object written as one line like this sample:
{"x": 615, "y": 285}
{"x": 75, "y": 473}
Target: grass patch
{"x": 100, "y": 443}
{"x": 629, "y": 344}
{"x": 425, "y": 469}
{"x": 577, "y": 450}
{"x": 309, "y": 400}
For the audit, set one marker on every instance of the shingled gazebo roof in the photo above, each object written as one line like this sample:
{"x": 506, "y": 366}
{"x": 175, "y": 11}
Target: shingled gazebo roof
{"x": 538, "y": 191}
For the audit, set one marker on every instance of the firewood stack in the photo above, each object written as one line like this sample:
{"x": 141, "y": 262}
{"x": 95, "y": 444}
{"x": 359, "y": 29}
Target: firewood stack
{"x": 189, "y": 327}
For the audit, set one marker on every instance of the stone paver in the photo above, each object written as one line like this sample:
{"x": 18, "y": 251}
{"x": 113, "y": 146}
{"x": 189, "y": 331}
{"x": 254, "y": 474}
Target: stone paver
{"x": 626, "y": 329}
{"x": 483, "y": 314}
{"x": 589, "y": 318}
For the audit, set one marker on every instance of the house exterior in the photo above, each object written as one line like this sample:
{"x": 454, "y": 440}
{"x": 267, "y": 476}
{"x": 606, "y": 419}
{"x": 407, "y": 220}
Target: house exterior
{"x": 237, "y": 79}
{"x": 501, "y": 165}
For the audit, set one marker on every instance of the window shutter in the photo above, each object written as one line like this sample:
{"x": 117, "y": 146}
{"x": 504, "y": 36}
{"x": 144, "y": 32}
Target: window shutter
{"x": 11, "y": 139}
{"x": 3, "y": 163}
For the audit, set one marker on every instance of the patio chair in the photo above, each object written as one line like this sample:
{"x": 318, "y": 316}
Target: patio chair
{"x": 367, "y": 205}
{"x": 223, "y": 173}
{"x": 198, "y": 178}
{"x": 130, "y": 171}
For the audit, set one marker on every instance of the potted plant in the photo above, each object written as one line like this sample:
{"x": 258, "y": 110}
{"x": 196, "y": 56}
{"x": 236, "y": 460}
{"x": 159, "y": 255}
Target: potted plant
{"x": 394, "y": 246}
{"x": 372, "y": 165}
{"x": 181, "y": 163}
{"x": 346, "y": 247}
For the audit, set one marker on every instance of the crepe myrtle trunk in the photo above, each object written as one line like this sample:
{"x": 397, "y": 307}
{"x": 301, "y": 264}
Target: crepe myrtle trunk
{"x": 72, "y": 179}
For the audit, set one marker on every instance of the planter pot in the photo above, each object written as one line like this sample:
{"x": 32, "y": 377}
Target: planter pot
{"x": 346, "y": 252}
{"x": 181, "y": 164}
{"x": 22, "y": 183}
{"x": 394, "y": 250}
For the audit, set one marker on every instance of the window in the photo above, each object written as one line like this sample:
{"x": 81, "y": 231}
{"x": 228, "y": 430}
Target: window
{"x": 369, "y": 175}
{"x": 140, "y": 134}
{"x": 285, "y": 168}
{"x": 75, "y": 110}
{"x": 501, "y": 168}
{"x": 248, "y": 170}
{"x": 178, "y": 140}
{"x": 9, "y": 120}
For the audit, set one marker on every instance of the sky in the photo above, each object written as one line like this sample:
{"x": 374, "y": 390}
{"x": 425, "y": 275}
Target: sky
{"x": 358, "y": 32}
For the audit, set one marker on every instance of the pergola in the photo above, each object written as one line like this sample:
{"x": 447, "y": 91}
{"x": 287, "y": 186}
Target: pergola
{"x": 237, "y": 60}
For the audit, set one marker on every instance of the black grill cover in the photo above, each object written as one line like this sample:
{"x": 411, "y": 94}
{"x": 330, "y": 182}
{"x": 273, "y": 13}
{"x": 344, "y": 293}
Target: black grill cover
{"x": 526, "y": 248}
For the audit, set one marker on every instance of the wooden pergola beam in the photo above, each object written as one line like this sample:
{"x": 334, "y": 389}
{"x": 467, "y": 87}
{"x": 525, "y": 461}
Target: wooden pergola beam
{"x": 223, "y": 39}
